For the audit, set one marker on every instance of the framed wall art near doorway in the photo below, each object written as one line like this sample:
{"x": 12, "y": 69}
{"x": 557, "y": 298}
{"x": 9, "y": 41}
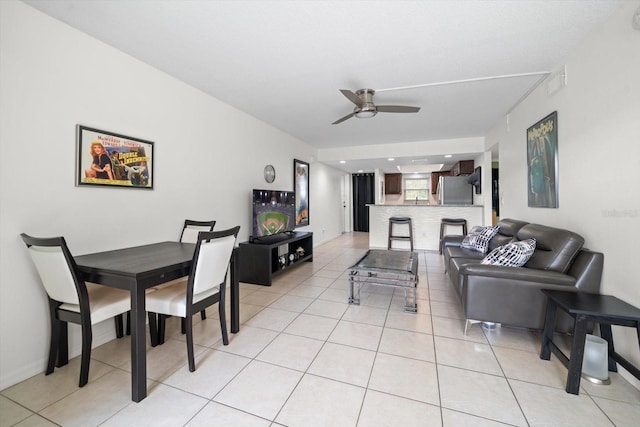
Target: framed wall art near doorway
{"x": 301, "y": 188}
{"x": 542, "y": 162}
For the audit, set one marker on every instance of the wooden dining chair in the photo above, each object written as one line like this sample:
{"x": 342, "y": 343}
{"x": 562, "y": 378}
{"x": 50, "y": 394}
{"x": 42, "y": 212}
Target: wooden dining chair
{"x": 205, "y": 286}
{"x": 189, "y": 234}
{"x": 72, "y": 300}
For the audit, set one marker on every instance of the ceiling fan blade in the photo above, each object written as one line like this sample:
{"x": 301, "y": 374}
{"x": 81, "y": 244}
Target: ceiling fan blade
{"x": 352, "y": 97}
{"x": 342, "y": 119}
{"x": 396, "y": 109}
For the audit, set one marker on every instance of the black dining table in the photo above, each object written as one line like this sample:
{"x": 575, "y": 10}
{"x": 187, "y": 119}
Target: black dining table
{"x": 138, "y": 268}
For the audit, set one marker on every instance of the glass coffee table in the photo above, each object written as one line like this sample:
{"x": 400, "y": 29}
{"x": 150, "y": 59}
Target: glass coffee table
{"x": 380, "y": 267}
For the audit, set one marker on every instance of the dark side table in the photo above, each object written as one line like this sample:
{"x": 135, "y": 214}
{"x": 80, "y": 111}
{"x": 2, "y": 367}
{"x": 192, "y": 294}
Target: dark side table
{"x": 606, "y": 310}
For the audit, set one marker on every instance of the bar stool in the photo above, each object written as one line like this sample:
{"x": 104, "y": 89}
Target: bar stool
{"x": 403, "y": 237}
{"x": 451, "y": 221}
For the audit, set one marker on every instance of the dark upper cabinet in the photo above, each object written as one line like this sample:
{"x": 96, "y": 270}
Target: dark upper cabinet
{"x": 393, "y": 183}
{"x": 463, "y": 167}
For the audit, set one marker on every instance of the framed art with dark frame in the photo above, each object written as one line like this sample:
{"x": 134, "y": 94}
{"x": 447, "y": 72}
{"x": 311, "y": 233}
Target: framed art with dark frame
{"x": 542, "y": 162}
{"x": 113, "y": 160}
{"x": 301, "y": 188}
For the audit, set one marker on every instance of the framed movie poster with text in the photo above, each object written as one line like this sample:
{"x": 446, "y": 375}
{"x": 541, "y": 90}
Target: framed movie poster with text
{"x": 113, "y": 160}
{"x": 301, "y": 188}
{"x": 542, "y": 162}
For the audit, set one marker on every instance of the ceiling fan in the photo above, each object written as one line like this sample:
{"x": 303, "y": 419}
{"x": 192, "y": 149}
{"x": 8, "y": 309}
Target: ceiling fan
{"x": 365, "y": 108}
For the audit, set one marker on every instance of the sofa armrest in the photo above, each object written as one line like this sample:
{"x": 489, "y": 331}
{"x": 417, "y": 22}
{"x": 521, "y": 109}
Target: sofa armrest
{"x": 520, "y": 274}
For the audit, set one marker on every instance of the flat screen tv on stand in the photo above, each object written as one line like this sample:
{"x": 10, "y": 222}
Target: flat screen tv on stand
{"x": 273, "y": 216}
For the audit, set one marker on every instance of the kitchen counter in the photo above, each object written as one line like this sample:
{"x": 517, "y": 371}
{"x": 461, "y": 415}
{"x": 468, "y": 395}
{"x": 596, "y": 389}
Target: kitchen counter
{"x": 426, "y": 222}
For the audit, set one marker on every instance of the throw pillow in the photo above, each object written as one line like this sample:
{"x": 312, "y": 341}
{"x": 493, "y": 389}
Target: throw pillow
{"x": 478, "y": 239}
{"x": 515, "y": 254}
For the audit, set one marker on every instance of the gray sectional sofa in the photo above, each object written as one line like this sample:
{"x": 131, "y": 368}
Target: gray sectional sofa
{"x": 511, "y": 295}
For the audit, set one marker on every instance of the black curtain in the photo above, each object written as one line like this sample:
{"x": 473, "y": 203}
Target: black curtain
{"x": 363, "y": 194}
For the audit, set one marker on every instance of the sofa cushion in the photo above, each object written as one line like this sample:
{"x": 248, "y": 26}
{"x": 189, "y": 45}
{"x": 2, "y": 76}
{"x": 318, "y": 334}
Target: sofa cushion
{"x": 555, "y": 248}
{"x": 515, "y": 254}
{"x": 478, "y": 239}
{"x": 506, "y": 233}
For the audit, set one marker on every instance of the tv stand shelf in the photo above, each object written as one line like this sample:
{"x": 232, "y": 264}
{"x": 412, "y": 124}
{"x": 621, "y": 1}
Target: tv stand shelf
{"x": 259, "y": 261}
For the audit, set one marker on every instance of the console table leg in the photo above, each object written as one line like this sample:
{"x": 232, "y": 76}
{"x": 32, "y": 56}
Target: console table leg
{"x": 549, "y": 325}
{"x": 577, "y": 354}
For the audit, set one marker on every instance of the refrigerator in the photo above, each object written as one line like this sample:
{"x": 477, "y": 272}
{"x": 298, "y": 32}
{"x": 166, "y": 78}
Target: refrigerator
{"x": 455, "y": 190}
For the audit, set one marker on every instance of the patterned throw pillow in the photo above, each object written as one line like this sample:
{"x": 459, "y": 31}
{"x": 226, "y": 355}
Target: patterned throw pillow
{"x": 478, "y": 238}
{"x": 515, "y": 254}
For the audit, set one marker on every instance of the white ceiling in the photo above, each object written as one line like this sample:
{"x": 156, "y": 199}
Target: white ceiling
{"x": 284, "y": 62}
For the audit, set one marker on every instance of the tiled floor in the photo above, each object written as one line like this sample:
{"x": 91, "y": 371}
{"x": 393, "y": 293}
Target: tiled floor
{"x": 304, "y": 357}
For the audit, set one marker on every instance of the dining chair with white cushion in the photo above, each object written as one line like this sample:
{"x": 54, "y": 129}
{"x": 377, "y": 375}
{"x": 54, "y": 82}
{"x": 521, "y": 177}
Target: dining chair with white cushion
{"x": 205, "y": 286}
{"x": 72, "y": 300}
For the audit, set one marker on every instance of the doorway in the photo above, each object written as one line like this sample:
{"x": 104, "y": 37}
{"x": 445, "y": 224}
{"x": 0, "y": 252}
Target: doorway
{"x": 363, "y": 194}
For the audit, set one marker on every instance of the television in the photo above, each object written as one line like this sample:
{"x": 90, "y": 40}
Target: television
{"x": 274, "y": 214}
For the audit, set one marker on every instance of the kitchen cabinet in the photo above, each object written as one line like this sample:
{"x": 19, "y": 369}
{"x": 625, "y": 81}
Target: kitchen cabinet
{"x": 393, "y": 183}
{"x": 463, "y": 167}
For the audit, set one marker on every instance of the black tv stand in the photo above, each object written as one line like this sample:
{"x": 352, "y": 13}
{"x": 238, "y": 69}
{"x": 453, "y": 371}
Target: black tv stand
{"x": 273, "y": 238}
{"x": 259, "y": 260}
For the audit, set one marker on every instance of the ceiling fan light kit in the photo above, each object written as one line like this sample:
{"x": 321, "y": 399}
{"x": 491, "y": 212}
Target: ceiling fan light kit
{"x": 365, "y": 108}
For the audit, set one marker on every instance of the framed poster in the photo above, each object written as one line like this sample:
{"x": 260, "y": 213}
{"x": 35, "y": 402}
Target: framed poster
{"x": 113, "y": 160}
{"x": 301, "y": 187}
{"x": 542, "y": 162}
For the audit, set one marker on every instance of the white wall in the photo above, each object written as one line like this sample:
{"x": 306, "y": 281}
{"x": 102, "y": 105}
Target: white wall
{"x": 208, "y": 157}
{"x": 599, "y": 157}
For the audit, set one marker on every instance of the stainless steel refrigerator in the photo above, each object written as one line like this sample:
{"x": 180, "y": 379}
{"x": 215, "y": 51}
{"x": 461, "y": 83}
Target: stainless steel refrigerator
{"x": 454, "y": 190}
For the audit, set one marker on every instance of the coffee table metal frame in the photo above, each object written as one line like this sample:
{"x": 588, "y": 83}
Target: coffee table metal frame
{"x": 398, "y": 269}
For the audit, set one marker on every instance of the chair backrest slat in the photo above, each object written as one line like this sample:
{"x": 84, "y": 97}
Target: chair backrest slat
{"x": 55, "y": 273}
{"x": 213, "y": 261}
{"x": 192, "y": 228}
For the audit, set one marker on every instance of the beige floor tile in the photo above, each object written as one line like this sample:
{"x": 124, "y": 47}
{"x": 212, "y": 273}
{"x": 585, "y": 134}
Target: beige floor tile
{"x": 398, "y": 303}
{"x": 164, "y": 406}
{"x": 458, "y": 419}
{"x": 341, "y": 283}
{"x": 544, "y": 406}
{"x": 42, "y": 390}
{"x": 309, "y": 326}
{"x": 35, "y": 421}
{"x": 516, "y": 338}
{"x": 273, "y": 319}
{"x": 622, "y": 414}
{"x": 247, "y": 311}
{"x": 217, "y": 415}
{"x": 307, "y": 291}
{"x": 358, "y": 335}
{"x": 11, "y": 413}
{"x": 479, "y": 394}
{"x": 335, "y": 404}
{"x": 214, "y": 369}
{"x": 415, "y": 322}
{"x": 337, "y": 295}
{"x": 380, "y": 410}
{"x": 291, "y": 351}
{"x": 323, "y": 282}
{"x": 331, "y": 309}
{"x": 327, "y": 273}
{"x": 619, "y": 389}
{"x": 413, "y": 379}
{"x": 444, "y": 309}
{"x": 260, "y": 389}
{"x": 206, "y": 333}
{"x": 527, "y": 366}
{"x": 467, "y": 355}
{"x": 105, "y": 396}
{"x": 414, "y": 345}
{"x": 248, "y": 342}
{"x": 454, "y": 328}
{"x": 165, "y": 359}
{"x": 292, "y": 303}
{"x": 260, "y": 298}
{"x": 369, "y": 298}
{"x": 368, "y": 315}
{"x": 444, "y": 295}
{"x": 343, "y": 363}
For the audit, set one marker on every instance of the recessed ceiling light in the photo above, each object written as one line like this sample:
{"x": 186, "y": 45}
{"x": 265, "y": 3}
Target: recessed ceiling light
{"x": 391, "y": 159}
{"x": 343, "y": 161}
{"x": 447, "y": 155}
{"x": 360, "y": 171}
